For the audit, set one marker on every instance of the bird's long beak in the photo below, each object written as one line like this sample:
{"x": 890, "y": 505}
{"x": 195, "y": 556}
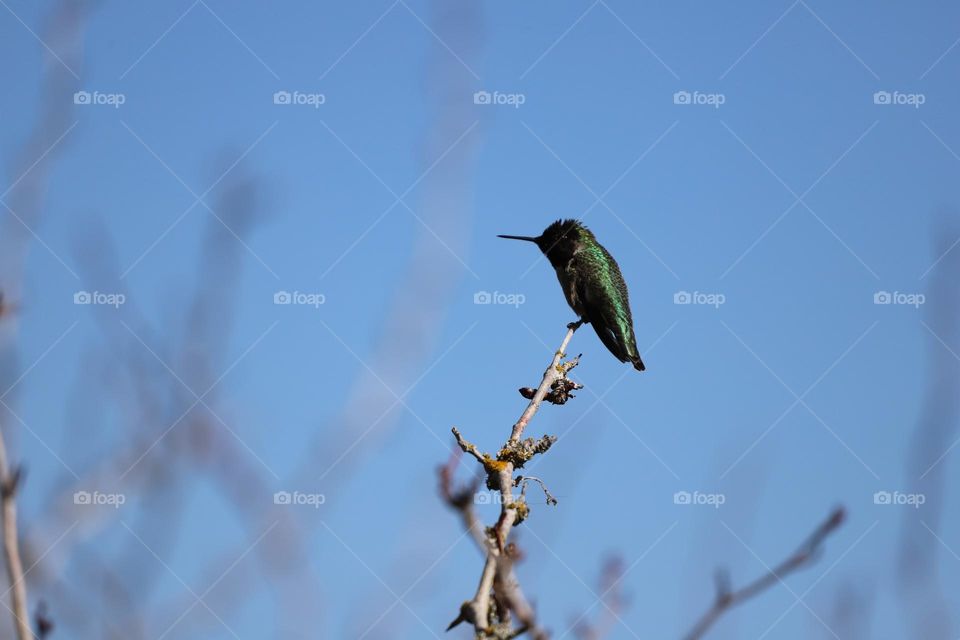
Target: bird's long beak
{"x": 527, "y": 238}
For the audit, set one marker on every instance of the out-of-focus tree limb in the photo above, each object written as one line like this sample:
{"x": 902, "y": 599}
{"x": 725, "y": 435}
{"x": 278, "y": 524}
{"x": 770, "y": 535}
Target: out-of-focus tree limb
{"x": 728, "y": 598}
{"x": 921, "y": 596}
{"x": 10, "y": 478}
{"x": 612, "y": 598}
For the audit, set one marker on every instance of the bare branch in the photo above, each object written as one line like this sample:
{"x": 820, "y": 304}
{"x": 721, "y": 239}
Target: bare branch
{"x": 553, "y": 373}
{"x": 727, "y": 598}
{"x": 462, "y": 500}
{"x": 468, "y": 447}
{"x": 9, "y": 483}
{"x": 523, "y": 491}
{"x": 612, "y": 599}
{"x": 499, "y": 595}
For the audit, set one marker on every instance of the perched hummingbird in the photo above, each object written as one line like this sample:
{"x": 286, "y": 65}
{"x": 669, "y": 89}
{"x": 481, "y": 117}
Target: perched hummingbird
{"x": 592, "y": 284}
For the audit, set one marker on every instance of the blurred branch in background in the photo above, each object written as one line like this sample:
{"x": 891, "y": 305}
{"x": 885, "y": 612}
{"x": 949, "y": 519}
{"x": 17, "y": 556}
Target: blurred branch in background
{"x": 934, "y": 437}
{"x": 727, "y": 597}
{"x": 175, "y": 432}
{"x": 613, "y": 600}
{"x": 22, "y": 201}
{"x": 850, "y": 616}
{"x": 405, "y": 345}
{"x": 409, "y": 334}
{"x": 172, "y": 443}
{"x": 462, "y": 499}
{"x": 22, "y": 205}
{"x": 180, "y": 435}
{"x": 10, "y": 479}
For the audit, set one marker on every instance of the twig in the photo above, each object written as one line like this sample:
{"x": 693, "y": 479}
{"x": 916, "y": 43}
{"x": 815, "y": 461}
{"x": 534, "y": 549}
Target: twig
{"x": 523, "y": 480}
{"x": 727, "y": 599}
{"x": 611, "y": 597}
{"x": 490, "y": 617}
{"x": 467, "y": 447}
{"x": 551, "y": 375}
{"x": 461, "y": 500}
{"x": 9, "y": 483}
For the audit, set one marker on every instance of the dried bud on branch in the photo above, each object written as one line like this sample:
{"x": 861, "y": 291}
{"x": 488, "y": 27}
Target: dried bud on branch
{"x": 499, "y": 599}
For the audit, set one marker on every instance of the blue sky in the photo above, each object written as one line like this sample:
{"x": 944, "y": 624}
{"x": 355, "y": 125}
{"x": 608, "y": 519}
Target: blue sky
{"x": 788, "y": 189}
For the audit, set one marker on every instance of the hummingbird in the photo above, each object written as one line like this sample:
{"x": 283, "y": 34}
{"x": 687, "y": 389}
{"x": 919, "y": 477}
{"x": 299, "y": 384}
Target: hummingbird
{"x": 592, "y": 284}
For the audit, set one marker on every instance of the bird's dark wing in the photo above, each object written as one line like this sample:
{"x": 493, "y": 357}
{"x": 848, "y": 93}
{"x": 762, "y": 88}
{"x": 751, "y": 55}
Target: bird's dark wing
{"x": 603, "y": 294}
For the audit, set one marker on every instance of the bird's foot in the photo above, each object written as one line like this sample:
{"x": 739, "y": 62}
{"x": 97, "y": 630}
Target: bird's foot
{"x": 576, "y": 325}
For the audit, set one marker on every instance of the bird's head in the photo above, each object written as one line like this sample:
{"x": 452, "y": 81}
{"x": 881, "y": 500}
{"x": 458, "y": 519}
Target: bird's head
{"x": 559, "y": 241}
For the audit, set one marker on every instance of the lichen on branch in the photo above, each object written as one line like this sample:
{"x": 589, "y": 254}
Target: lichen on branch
{"x": 498, "y": 609}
